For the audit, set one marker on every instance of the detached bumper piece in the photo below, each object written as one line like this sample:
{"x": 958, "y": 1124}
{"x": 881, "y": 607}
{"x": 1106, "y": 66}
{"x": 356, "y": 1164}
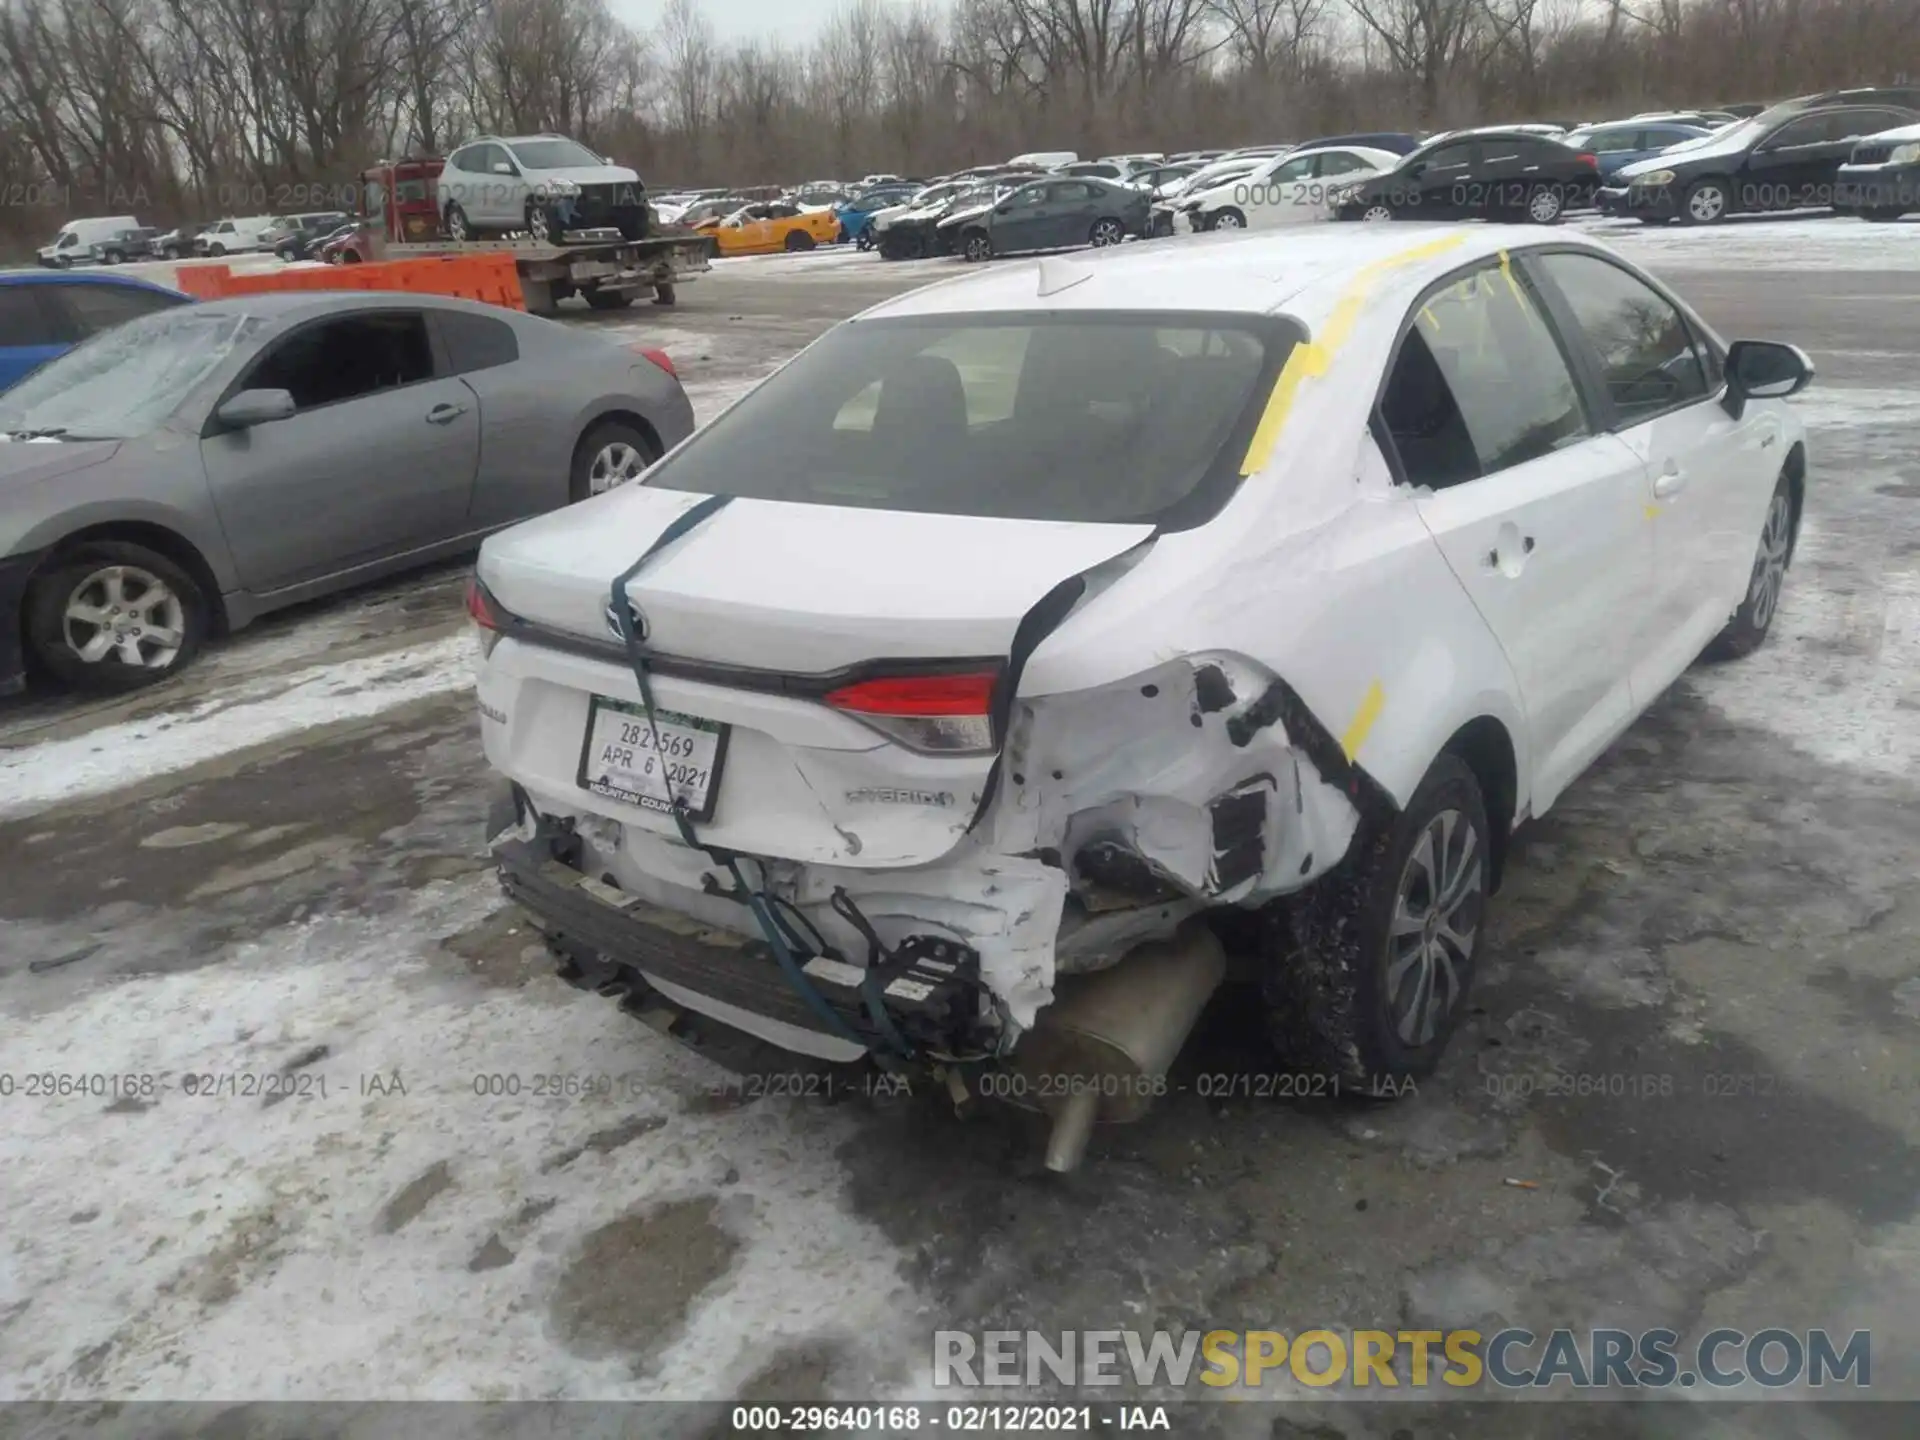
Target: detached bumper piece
{"x": 930, "y": 987}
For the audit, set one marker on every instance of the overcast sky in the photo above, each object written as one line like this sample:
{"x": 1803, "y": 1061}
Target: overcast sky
{"x": 787, "y": 20}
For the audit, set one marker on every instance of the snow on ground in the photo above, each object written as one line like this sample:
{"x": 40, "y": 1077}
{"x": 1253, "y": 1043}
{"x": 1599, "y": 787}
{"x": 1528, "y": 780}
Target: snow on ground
{"x": 387, "y": 1238}
{"x": 1845, "y": 645}
{"x": 269, "y": 707}
{"x": 1811, "y": 242}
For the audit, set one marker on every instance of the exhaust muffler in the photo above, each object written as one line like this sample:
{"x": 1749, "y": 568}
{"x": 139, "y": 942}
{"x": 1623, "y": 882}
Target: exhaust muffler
{"x": 1098, "y": 1051}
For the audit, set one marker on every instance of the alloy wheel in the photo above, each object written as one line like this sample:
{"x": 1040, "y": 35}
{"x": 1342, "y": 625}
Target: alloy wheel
{"x": 1436, "y": 920}
{"x": 1770, "y": 563}
{"x": 1707, "y": 204}
{"x": 1228, "y": 220}
{"x": 615, "y": 464}
{"x": 126, "y": 611}
{"x": 1106, "y": 232}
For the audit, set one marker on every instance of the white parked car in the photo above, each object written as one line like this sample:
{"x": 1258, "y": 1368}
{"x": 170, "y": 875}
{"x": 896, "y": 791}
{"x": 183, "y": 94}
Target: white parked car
{"x": 1298, "y": 186}
{"x": 545, "y": 185}
{"x": 942, "y": 697}
{"x": 236, "y": 236}
{"x": 75, "y": 241}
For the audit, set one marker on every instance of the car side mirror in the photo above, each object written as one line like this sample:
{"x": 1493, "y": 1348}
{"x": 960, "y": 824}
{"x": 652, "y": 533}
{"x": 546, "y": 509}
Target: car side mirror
{"x": 1764, "y": 370}
{"x": 256, "y": 407}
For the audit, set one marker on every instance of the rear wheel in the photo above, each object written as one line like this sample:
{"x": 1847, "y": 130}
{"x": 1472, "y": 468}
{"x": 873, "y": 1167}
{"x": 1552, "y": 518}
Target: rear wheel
{"x": 663, "y": 295}
{"x": 1748, "y": 627}
{"x": 115, "y": 616}
{"x": 459, "y": 228}
{"x": 114, "y": 257}
{"x": 1106, "y": 231}
{"x": 1544, "y": 205}
{"x": 216, "y": 249}
{"x": 798, "y": 240}
{"x": 607, "y": 299}
{"x": 863, "y": 241}
{"x": 542, "y": 226}
{"x": 608, "y": 455}
{"x": 976, "y": 246}
{"x": 1383, "y": 946}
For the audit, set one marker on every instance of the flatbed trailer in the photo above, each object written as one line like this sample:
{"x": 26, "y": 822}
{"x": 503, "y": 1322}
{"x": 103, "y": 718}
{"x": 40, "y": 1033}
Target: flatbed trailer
{"x": 401, "y": 220}
{"x": 604, "y": 270}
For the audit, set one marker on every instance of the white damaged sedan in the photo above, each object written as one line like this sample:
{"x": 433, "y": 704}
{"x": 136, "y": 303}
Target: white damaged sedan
{"x": 1039, "y": 650}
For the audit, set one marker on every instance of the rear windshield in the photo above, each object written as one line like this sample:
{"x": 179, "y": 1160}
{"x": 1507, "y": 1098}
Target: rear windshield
{"x": 1108, "y": 416}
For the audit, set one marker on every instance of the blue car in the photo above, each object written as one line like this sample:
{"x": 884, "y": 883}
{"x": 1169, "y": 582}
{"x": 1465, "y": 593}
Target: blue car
{"x": 1625, "y": 141}
{"x": 44, "y": 315}
{"x": 855, "y": 213}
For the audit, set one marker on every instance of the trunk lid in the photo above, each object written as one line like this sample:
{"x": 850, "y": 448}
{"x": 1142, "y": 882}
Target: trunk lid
{"x": 793, "y": 588}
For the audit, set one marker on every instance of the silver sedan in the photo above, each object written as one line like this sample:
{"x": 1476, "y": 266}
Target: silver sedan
{"x": 179, "y": 475}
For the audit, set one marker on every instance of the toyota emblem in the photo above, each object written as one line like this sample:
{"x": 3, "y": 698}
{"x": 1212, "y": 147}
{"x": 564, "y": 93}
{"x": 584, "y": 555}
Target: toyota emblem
{"x": 639, "y": 622}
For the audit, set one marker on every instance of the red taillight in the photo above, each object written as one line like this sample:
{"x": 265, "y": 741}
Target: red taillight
{"x": 485, "y": 614}
{"x": 658, "y": 357}
{"x": 918, "y": 695}
{"x": 480, "y": 606}
{"x": 1592, "y": 162}
{"x": 942, "y": 714}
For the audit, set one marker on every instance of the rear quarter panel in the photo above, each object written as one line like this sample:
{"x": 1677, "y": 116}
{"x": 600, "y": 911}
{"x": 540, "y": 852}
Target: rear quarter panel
{"x": 534, "y": 413}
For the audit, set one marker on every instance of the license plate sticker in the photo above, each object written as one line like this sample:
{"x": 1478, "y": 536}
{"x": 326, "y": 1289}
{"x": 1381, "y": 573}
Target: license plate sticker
{"x": 621, "y": 760}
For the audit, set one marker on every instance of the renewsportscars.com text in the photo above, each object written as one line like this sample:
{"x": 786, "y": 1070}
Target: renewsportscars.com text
{"x": 1512, "y": 1359}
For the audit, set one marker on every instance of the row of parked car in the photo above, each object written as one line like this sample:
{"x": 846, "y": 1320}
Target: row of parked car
{"x": 1856, "y": 151}
{"x": 119, "y": 239}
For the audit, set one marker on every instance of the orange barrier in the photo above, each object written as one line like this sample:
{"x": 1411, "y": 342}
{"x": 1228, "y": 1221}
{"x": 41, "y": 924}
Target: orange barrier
{"x": 491, "y": 279}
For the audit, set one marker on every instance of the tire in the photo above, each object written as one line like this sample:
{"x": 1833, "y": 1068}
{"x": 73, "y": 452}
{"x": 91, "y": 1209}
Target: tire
{"x": 285, "y": 255}
{"x": 976, "y": 246}
{"x": 1707, "y": 202}
{"x": 1881, "y": 214}
{"x": 1545, "y": 205}
{"x": 863, "y": 241}
{"x": 113, "y": 257}
{"x": 796, "y": 241}
{"x": 1748, "y": 627}
{"x": 600, "y": 450}
{"x": 95, "y": 577}
{"x": 1106, "y": 231}
{"x": 1345, "y": 996}
{"x": 216, "y": 250}
{"x": 459, "y": 228}
{"x": 1228, "y": 219}
{"x": 664, "y": 295}
{"x": 1378, "y": 210}
{"x": 542, "y": 225}
{"x": 600, "y": 299}
{"x": 349, "y": 257}
{"x": 61, "y": 262}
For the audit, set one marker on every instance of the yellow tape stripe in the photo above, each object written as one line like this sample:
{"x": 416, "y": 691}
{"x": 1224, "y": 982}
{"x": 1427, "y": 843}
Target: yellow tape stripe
{"x": 1371, "y": 704}
{"x": 1316, "y": 356}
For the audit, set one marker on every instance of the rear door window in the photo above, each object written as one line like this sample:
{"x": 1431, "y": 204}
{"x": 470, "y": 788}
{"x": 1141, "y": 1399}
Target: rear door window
{"x": 475, "y": 342}
{"x": 1136, "y": 417}
{"x": 1479, "y": 385}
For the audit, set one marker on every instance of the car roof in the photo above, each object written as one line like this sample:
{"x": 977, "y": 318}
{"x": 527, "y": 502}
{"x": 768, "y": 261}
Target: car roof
{"x": 1250, "y": 273}
{"x": 298, "y": 304}
{"x": 85, "y": 277}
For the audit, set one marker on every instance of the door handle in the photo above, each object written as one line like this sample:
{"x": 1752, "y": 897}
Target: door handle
{"x": 1671, "y": 482}
{"x": 445, "y": 414}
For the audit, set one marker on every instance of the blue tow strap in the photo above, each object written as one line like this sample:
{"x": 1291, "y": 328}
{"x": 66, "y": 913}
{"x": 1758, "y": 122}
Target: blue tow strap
{"x": 756, "y": 900}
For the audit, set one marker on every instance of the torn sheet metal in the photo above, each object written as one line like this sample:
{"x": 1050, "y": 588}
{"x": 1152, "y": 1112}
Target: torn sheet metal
{"x": 1191, "y": 767}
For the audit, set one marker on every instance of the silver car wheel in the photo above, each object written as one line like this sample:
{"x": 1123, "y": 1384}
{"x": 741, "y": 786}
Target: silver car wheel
{"x": 1544, "y": 207}
{"x": 617, "y": 463}
{"x": 1707, "y": 203}
{"x": 1770, "y": 564}
{"x": 125, "y": 611}
{"x": 1436, "y": 919}
{"x": 1378, "y": 212}
{"x": 539, "y": 224}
